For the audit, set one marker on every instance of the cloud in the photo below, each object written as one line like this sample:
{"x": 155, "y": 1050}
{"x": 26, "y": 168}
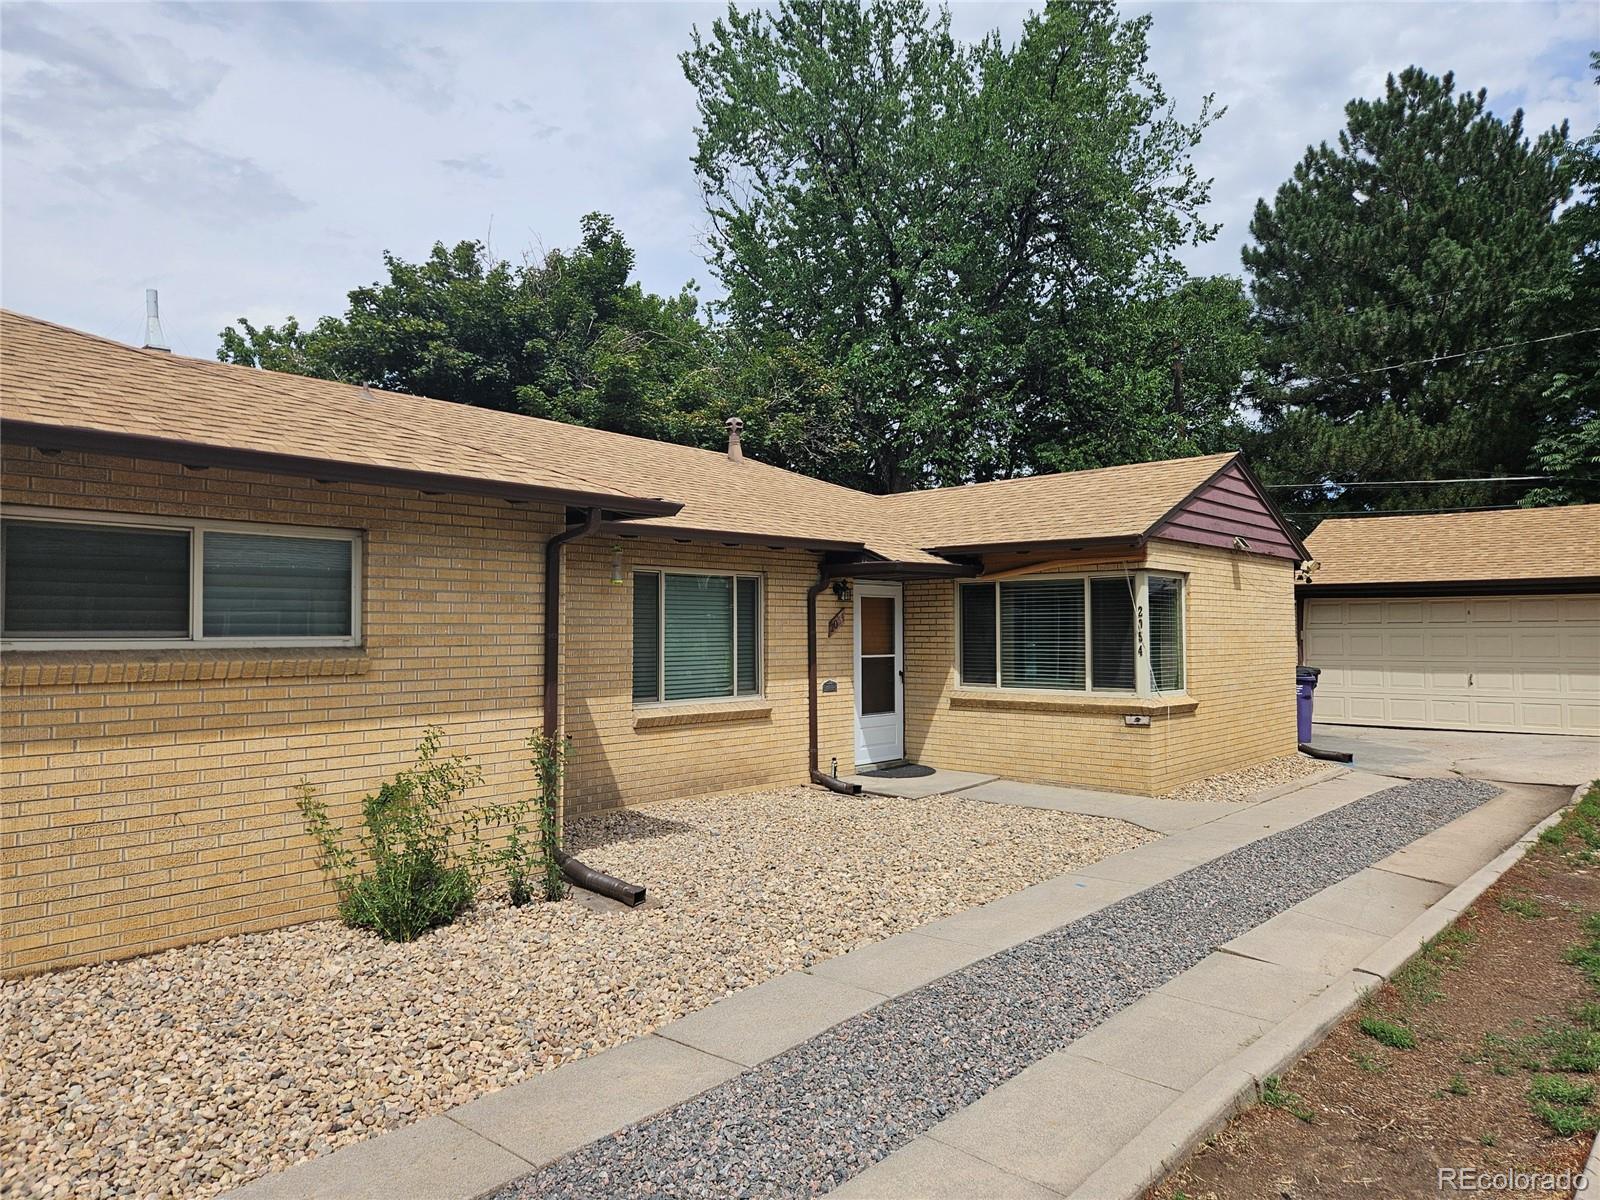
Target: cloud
{"x": 140, "y": 140}
{"x": 69, "y": 76}
{"x": 480, "y": 165}
{"x": 342, "y": 37}
{"x": 194, "y": 180}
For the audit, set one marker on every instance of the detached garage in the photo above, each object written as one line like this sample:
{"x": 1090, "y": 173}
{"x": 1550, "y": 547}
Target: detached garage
{"x": 1481, "y": 621}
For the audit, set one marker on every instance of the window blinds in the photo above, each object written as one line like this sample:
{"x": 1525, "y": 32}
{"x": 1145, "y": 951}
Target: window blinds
{"x": 1111, "y": 632}
{"x": 258, "y": 585}
{"x": 1041, "y": 634}
{"x": 698, "y": 641}
{"x": 70, "y": 580}
{"x": 1166, "y": 633}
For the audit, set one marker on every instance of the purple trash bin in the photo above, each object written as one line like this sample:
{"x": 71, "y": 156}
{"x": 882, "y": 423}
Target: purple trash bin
{"x": 1305, "y": 685}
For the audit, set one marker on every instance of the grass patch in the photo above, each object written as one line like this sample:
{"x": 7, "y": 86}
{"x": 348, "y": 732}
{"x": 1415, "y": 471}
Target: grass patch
{"x": 1563, "y": 1104}
{"x": 1388, "y": 1033}
{"x": 1273, "y": 1096}
{"x": 1577, "y": 834}
{"x": 1522, "y": 904}
{"x": 1586, "y": 954}
{"x": 1370, "y": 1062}
{"x": 1458, "y": 1085}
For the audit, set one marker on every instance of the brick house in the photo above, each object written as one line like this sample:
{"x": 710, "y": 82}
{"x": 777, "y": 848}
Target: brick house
{"x": 219, "y": 582}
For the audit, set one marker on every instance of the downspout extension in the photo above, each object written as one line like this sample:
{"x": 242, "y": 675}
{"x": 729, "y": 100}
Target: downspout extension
{"x": 576, "y": 872}
{"x": 830, "y": 782}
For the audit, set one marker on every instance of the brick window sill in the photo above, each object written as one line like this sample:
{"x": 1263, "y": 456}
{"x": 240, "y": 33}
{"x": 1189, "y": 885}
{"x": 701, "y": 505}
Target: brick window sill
{"x": 701, "y": 712}
{"x": 1013, "y": 701}
{"x": 52, "y": 668}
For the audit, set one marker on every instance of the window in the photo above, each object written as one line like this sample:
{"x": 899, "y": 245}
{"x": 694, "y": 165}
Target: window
{"x": 1073, "y": 633}
{"x": 695, "y": 636}
{"x": 101, "y": 580}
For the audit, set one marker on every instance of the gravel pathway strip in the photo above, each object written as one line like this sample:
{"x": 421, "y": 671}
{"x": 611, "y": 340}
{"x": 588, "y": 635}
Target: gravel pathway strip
{"x": 812, "y": 1117}
{"x": 189, "y": 1072}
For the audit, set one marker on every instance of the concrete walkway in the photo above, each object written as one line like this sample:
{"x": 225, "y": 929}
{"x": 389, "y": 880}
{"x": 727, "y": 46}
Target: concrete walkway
{"x": 1044, "y": 1132}
{"x": 1562, "y": 760}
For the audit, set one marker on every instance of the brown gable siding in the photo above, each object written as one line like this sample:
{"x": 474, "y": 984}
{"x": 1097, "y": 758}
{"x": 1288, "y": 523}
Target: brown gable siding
{"x": 1226, "y": 507}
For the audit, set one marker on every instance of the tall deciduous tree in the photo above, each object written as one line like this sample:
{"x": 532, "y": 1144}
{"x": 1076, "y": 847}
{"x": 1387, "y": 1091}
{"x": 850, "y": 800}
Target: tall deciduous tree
{"x": 977, "y": 240}
{"x": 1397, "y": 278}
{"x": 568, "y": 336}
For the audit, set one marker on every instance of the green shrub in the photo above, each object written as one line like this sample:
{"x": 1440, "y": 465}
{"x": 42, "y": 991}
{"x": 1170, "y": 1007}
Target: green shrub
{"x": 526, "y": 857}
{"x": 415, "y": 882}
{"x": 1388, "y": 1033}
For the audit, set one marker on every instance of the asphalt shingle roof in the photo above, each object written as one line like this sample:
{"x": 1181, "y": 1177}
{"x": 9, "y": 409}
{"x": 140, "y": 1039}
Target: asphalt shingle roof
{"x": 1518, "y": 543}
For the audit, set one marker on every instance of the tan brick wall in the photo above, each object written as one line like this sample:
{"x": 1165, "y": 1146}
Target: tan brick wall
{"x": 148, "y": 797}
{"x": 1240, "y": 657}
{"x": 623, "y": 753}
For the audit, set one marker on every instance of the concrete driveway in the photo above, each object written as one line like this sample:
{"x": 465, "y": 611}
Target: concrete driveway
{"x": 1502, "y": 757}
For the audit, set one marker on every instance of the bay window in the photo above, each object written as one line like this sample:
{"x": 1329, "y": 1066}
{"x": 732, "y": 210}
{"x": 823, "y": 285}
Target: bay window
{"x": 72, "y": 580}
{"x": 696, "y": 635}
{"x": 1119, "y": 634}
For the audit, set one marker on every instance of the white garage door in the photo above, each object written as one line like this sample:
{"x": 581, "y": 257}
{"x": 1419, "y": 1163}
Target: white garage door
{"x": 1527, "y": 664}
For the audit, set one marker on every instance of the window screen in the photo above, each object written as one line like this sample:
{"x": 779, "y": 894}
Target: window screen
{"x": 698, "y": 641}
{"x": 1111, "y": 632}
{"x": 86, "y": 581}
{"x": 747, "y": 612}
{"x": 264, "y": 585}
{"x": 977, "y": 634}
{"x": 646, "y": 636}
{"x": 1166, "y": 634}
{"x": 1041, "y": 634}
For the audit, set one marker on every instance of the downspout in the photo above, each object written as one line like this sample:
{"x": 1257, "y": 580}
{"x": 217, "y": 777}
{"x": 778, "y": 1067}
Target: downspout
{"x": 828, "y": 781}
{"x": 576, "y": 872}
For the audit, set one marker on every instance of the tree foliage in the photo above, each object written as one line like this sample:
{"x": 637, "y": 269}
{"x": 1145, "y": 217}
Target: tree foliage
{"x": 976, "y": 240}
{"x": 1427, "y": 236}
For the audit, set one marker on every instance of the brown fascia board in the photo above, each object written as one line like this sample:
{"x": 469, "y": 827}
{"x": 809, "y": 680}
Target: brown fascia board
{"x": 201, "y": 454}
{"x": 886, "y": 569}
{"x": 1451, "y": 587}
{"x": 729, "y": 537}
{"x": 1122, "y": 541}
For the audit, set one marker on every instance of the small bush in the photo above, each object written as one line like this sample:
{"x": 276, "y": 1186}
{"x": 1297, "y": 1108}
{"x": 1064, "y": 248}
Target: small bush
{"x": 526, "y": 857}
{"x": 1388, "y": 1033}
{"x": 415, "y": 884}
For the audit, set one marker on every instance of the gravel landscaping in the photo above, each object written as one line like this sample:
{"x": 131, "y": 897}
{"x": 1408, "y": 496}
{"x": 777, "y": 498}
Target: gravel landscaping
{"x": 1245, "y": 783}
{"x": 192, "y": 1071}
{"x": 806, "y": 1120}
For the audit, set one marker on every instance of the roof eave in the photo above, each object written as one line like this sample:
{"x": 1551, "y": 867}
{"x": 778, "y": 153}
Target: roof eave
{"x": 1549, "y": 585}
{"x": 730, "y": 537}
{"x": 1120, "y": 541}
{"x": 45, "y": 436}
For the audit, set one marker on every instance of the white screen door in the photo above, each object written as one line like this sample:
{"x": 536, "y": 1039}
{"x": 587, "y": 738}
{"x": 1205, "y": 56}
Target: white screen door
{"x": 880, "y": 684}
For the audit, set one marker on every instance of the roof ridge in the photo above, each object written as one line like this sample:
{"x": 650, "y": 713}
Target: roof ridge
{"x": 1016, "y": 479}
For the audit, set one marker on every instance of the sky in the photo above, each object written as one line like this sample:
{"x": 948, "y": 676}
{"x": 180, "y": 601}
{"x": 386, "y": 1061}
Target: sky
{"x": 257, "y": 160}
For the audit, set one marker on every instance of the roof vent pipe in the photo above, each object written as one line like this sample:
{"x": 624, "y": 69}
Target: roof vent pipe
{"x": 735, "y": 451}
{"x": 154, "y": 339}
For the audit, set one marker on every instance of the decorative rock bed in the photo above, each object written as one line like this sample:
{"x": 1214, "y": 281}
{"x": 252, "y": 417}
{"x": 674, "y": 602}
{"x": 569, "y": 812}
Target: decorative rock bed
{"x": 1245, "y": 783}
{"x": 192, "y": 1071}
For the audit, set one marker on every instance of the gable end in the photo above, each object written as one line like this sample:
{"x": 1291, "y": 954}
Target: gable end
{"x": 1228, "y": 505}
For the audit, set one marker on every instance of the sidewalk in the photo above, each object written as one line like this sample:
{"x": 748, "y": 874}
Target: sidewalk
{"x": 1030, "y": 1117}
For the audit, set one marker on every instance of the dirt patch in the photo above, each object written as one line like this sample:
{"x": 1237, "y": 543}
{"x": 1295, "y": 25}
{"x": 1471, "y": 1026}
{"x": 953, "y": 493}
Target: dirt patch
{"x": 1493, "y": 1008}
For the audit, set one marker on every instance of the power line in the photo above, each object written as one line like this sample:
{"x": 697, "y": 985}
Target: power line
{"x": 1359, "y": 483}
{"x": 1390, "y": 512}
{"x": 1439, "y": 358}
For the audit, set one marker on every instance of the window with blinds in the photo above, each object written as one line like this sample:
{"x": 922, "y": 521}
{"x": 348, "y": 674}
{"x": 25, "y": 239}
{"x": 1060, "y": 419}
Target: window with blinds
{"x": 1042, "y": 634}
{"x": 1166, "y": 633}
{"x": 92, "y": 581}
{"x": 1111, "y": 620}
{"x": 1078, "y": 633}
{"x": 695, "y": 636}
